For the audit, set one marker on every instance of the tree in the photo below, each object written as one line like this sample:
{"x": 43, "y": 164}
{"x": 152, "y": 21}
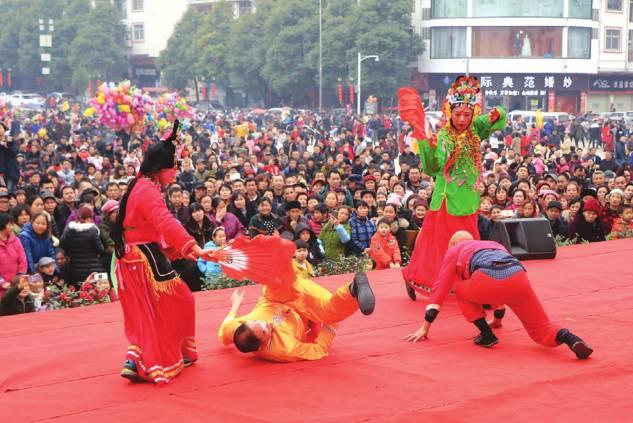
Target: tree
{"x": 211, "y": 43}
{"x": 247, "y": 53}
{"x": 96, "y": 52}
{"x": 177, "y": 60}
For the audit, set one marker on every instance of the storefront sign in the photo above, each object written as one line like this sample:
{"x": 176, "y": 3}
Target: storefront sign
{"x": 536, "y": 85}
{"x": 623, "y": 82}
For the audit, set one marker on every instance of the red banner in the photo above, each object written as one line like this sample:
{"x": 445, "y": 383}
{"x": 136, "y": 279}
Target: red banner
{"x": 90, "y": 88}
{"x": 340, "y": 93}
{"x": 213, "y": 89}
{"x": 583, "y": 102}
{"x": 9, "y": 80}
{"x": 551, "y": 101}
{"x": 1, "y": 79}
{"x": 351, "y": 94}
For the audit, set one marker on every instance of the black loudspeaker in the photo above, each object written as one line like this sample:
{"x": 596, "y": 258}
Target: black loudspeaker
{"x": 525, "y": 238}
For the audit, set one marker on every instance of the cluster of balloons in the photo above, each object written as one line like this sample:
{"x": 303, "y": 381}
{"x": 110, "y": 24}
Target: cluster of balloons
{"x": 121, "y": 107}
{"x": 169, "y": 107}
{"x": 125, "y": 107}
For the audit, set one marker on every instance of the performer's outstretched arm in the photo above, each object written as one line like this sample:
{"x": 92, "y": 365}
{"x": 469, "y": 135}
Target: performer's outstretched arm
{"x": 495, "y": 120}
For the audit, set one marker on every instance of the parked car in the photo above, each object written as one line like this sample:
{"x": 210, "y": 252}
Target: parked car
{"x": 29, "y": 101}
{"x": 209, "y": 106}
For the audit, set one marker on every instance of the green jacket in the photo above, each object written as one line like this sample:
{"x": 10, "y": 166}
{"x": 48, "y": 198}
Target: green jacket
{"x": 462, "y": 198}
{"x": 330, "y": 237}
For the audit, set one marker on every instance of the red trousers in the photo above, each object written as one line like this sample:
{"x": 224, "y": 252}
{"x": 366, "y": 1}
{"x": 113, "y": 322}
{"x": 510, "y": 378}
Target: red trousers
{"x": 516, "y": 293}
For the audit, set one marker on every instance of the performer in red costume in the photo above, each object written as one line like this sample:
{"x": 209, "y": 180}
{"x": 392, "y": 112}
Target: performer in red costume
{"x": 483, "y": 272}
{"x": 158, "y": 308}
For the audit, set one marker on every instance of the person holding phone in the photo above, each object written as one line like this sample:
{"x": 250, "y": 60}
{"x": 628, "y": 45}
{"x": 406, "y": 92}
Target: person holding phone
{"x": 18, "y": 298}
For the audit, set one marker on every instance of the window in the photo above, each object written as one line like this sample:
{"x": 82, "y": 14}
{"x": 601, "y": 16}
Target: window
{"x": 612, "y": 39}
{"x": 630, "y": 45}
{"x": 448, "y": 42}
{"x": 449, "y": 8}
{"x": 138, "y": 32}
{"x": 631, "y": 11}
{"x": 121, "y": 7}
{"x": 614, "y": 5}
{"x": 137, "y": 5}
{"x": 579, "y": 43}
{"x": 514, "y": 8}
{"x": 580, "y": 9}
{"x": 528, "y": 42}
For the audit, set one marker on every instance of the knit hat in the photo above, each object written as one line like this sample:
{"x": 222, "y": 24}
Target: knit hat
{"x": 110, "y": 206}
{"x": 554, "y": 205}
{"x": 591, "y": 204}
{"x": 421, "y": 202}
{"x": 616, "y": 191}
{"x": 546, "y": 192}
{"x": 84, "y": 213}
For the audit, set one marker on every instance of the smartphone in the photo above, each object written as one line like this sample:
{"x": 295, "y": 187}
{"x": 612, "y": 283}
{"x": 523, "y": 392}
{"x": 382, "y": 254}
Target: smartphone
{"x": 101, "y": 276}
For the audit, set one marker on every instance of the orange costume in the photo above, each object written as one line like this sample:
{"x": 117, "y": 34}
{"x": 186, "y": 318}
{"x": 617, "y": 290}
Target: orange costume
{"x": 384, "y": 250}
{"x": 295, "y": 306}
{"x": 620, "y": 229}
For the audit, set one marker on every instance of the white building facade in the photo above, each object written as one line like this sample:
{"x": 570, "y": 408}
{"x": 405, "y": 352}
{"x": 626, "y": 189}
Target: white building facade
{"x": 527, "y": 54}
{"x": 611, "y": 88}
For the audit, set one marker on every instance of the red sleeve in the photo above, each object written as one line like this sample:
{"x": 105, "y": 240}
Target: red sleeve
{"x": 446, "y": 277}
{"x": 156, "y": 212}
{"x": 397, "y": 258}
{"x": 23, "y": 263}
{"x": 378, "y": 253}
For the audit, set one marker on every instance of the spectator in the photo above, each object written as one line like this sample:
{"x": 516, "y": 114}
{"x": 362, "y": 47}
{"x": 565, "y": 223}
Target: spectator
{"x": 199, "y": 226}
{"x": 243, "y": 210}
{"x": 300, "y": 263}
{"x": 9, "y": 170}
{"x": 587, "y": 225}
{"x": 384, "y": 246}
{"x": 291, "y": 219}
{"x": 83, "y": 247}
{"x": 66, "y": 208}
{"x": 336, "y": 234}
{"x": 623, "y": 226}
{"x": 46, "y": 268}
{"x": 611, "y": 212}
{"x": 529, "y": 209}
{"x": 212, "y": 271}
{"x": 175, "y": 204}
{"x": 231, "y": 224}
{"x": 36, "y": 240}
{"x": 315, "y": 248}
{"x": 12, "y": 256}
{"x": 318, "y": 218}
{"x": 553, "y": 214}
{"x": 362, "y": 229}
{"x": 264, "y": 222}
{"x": 21, "y": 216}
{"x": 17, "y": 300}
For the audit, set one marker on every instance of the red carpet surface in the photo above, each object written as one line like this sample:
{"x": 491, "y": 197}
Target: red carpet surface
{"x": 64, "y": 365}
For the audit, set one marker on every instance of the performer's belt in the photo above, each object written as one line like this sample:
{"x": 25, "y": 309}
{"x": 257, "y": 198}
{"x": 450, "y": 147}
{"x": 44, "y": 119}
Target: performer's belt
{"x": 159, "y": 265}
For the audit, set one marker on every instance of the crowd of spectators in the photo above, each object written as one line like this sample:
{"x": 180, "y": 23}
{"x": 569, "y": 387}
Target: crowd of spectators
{"x": 334, "y": 184}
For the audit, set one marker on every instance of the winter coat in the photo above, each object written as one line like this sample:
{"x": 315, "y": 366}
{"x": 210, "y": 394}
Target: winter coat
{"x": 231, "y": 224}
{"x": 334, "y": 239}
{"x": 8, "y": 161}
{"x": 82, "y": 244}
{"x": 35, "y": 247}
{"x": 11, "y": 303}
{"x": 12, "y": 258}
{"x": 201, "y": 235}
{"x": 263, "y": 225}
{"x": 305, "y": 270}
{"x": 209, "y": 268}
{"x": 384, "y": 250}
{"x": 315, "y": 249}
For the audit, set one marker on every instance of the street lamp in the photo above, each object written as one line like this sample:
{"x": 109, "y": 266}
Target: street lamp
{"x": 358, "y": 66}
{"x": 320, "y": 55}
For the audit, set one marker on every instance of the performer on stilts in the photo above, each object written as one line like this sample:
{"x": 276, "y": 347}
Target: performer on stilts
{"x": 483, "y": 272}
{"x": 453, "y": 158}
{"x": 294, "y": 319}
{"x": 158, "y": 308}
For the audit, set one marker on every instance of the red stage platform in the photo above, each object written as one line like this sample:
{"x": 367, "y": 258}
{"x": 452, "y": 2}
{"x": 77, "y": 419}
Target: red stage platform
{"x": 64, "y": 365}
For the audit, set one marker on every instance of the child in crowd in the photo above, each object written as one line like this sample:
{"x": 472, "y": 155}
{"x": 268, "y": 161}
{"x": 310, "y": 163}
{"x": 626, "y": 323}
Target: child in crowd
{"x": 211, "y": 270}
{"x": 37, "y": 292}
{"x": 103, "y": 286}
{"x": 315, "y": 249}
{"x": 384, "y": 247}
{"x": 623, "y": 226}
{"x": 318, "y": 219}
{"x": 300, "y": 263}
{"x": 46, "y": 269}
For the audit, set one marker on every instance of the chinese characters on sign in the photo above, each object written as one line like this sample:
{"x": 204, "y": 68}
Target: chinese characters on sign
{"x": 535, "y": 85}
{"x": 611, "y": 83}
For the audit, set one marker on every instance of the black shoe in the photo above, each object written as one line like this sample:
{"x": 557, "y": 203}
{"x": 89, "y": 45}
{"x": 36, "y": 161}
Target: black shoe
{"x": 486, "y": 340}
{"x": 130, "y": 372}
{"x": 361, "y": 290}
{"x": 187, "y": 362}
{"x": 577, "y": 345}
{"x": 411, "y": 292}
